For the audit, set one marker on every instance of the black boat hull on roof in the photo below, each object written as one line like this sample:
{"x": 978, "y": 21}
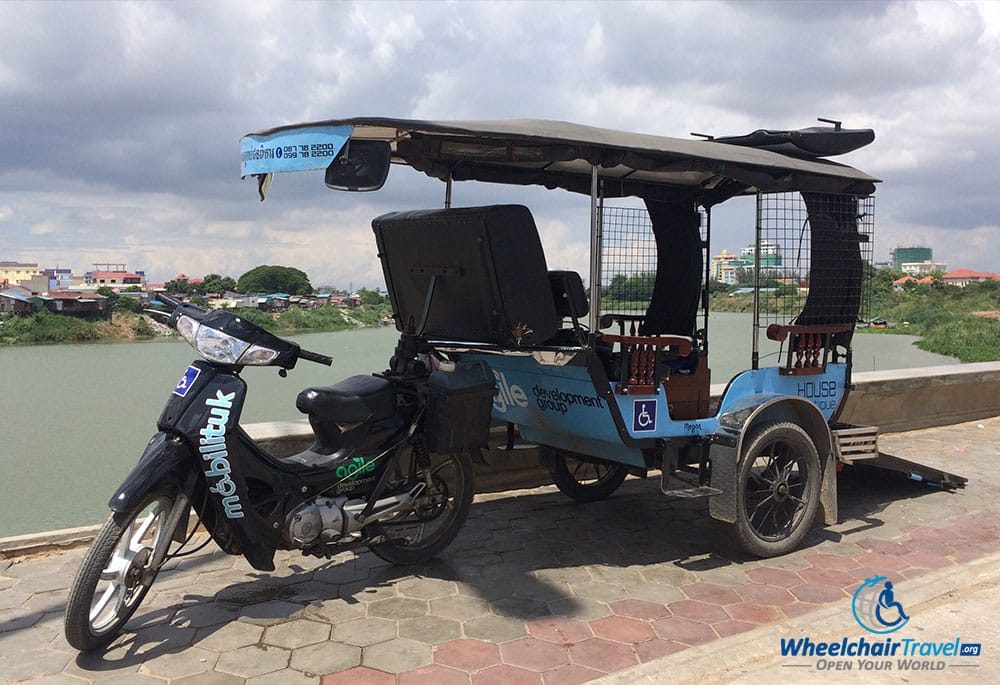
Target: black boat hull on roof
{"x": 815, "y": 141}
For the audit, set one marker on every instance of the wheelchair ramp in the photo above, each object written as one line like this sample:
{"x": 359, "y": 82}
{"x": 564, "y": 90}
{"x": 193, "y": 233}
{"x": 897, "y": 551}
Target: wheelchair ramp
{"x": 918, "y": 472}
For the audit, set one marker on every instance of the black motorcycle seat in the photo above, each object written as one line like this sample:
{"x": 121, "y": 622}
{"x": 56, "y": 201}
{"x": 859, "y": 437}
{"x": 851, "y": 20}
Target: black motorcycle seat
{"x": 353, "y": 399}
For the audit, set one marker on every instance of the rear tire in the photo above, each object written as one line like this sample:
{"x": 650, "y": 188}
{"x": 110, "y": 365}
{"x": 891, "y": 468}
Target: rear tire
{"x": 116, "y": 573}
{"x": 441, "y": 511}
{"x": 778, "y": 488}
{"x": 587, "y": 481}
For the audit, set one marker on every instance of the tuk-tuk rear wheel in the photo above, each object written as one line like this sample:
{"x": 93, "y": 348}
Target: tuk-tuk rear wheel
{"x": 585, "y": 480}
{"x": 778, "y": 489}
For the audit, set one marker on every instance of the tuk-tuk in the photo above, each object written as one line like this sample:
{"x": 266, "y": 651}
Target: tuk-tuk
{"x": 608, "y": 372}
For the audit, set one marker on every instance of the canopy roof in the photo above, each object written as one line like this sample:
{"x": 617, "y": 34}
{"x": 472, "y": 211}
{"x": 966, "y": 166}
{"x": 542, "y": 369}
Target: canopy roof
{"x": 558, "y": 154}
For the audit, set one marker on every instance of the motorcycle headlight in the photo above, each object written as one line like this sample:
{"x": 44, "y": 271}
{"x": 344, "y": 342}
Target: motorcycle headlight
{"x": 222, "y": 348}
{"x": 216, "y": 346}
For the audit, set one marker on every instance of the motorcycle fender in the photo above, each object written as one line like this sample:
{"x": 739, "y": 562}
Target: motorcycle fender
{"x": 166, "y": 462}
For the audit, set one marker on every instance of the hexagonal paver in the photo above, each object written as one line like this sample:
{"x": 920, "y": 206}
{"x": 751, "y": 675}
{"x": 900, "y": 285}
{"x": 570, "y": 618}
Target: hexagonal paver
{"x": 250, "y": 661}
{"x": 398, "y": 607}
{"x": 503, "y": 674}
{"x": 833, "y": 562}
{"x": 579, "y": 607}
{"x": 817, "y": 594}
{"x": 432, "y": 630}
{"x": 533, "y": 654}
{"x": 603, "y": 655}
{"x": 683, "y": 630}
{"x": 365, "y": 631}
{"x": 710, "y": 593}
{"x": 460, "y": 607}
{"x": 360, "y": 675}
{"x": 656, "y": 648}
{"x": 493, "y": 628}
{"x": 269, "y": 613}
{"x": 336, "y": 610}
{"x": 202, "y": 615}
{"x": 228, "y": 637}
{"x": 188, "y": 662}
{"x": 398, "y": 655}
{"x": 637, "y": 608}
{"x": 519, "y": 607}
{"x": 765, "y": 594}
{"x": 827, "y": 576}
{"x": 656, "y": 593}
{"x": 427, "y": 588}
{"x": 560, "y": 629}
{"x": 698, "y": 611}
{"x": 599, "y": 590}
{"x": 298, "y": 633}
{"x": 622, "y": 629}
{"x": 325, "y": 657}
{"x": 433, "y": 675}
{"x": 753, "y": 613}
{"x": 467, "y": 655}
{"x": 774, "y": 576}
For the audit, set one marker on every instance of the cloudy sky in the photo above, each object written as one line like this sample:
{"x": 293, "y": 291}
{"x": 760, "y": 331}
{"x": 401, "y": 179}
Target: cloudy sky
{"x": 120, "y": 129}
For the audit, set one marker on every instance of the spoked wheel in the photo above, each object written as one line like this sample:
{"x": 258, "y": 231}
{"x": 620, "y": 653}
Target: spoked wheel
{"x": 586, "y": 481}
{"x": 437, "y": 515}
{"x": 116, "y": 573}
{"x": 778, "y": 489}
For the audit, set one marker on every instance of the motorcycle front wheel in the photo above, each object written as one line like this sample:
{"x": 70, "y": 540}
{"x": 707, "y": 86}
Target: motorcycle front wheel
{"x": 438, "y": 512}
{"x": 116, "y": 573}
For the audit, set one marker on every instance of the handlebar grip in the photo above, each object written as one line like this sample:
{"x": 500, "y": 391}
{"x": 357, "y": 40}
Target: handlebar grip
{"x": 315, "y": 357}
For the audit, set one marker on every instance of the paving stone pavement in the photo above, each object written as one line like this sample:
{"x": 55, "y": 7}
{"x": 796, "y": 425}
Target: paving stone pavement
{"x": 536, "y": 588}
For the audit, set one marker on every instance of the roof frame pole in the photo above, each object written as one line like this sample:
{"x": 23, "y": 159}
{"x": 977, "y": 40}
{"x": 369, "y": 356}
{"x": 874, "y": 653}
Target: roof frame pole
{"x": 447, "y": 191}
{"x": 595, "y": 254}
{"x": 758, "y": 231}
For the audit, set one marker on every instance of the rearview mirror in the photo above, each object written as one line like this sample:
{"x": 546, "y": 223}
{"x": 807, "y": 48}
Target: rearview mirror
{"x": 361, "y": 166}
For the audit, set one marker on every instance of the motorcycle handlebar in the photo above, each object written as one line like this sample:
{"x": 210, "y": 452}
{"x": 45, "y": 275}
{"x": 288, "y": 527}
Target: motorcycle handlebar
{"x": 315, "y": 357}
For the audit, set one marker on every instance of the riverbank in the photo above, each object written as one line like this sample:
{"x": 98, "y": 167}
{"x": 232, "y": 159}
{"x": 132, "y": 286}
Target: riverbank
{"x": 44, "y": 327}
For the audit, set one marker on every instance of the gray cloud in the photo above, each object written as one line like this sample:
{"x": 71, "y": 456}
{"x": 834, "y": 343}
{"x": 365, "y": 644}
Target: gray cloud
{"x": 121, "y": 121}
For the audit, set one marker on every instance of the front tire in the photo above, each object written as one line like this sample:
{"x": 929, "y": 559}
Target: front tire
{"x": 778, "y": 488}
{"x": 116, "y": 573}
{"x": 439, "y": 512}
{"x": 586, "y": 481}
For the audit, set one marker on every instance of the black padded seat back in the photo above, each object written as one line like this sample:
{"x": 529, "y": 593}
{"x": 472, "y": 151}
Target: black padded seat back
{"x": 474, "y": 274}
{"x": 352, "y": 400}
{"x": 569, "y": 294}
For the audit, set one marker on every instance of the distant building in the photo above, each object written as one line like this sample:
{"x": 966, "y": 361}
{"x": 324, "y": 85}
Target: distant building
{"x": 719, "y": 261}
{"x": 15, "y": 272}
{"x": 770, "y": 254}
{"x": 963, "y": 277}
{"x": 898, "y": 284}
{"x": 911, "y": 255}
{"x": 922, "y": 268}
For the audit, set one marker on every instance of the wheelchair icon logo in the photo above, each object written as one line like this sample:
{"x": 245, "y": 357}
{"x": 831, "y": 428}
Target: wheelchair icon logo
{"x": 643, "y": 416}
{"x": 876, "y": 608}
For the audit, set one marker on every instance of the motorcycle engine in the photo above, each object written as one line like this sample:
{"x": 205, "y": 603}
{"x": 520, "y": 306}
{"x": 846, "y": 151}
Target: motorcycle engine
{"x": 323, "y": 517}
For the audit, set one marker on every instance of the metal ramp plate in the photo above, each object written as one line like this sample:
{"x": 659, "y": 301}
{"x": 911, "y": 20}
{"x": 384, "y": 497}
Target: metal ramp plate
{"x": 917, "y": 472}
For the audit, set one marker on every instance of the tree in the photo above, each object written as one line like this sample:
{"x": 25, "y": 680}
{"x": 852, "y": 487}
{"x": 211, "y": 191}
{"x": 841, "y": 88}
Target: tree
{"x": 274, "y": 279}
{"x": 370, "y": 297}
{"x": 178, "y": 286}
{"x": 214, "y": 283}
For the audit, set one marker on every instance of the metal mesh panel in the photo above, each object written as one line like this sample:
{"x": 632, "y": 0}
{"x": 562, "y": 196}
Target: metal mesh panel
{"x": 628, "y": 259}
{"x": 788, "y": 277}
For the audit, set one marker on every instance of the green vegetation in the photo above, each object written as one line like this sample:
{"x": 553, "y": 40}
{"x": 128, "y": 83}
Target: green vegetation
{"x": 274, "y": 279}
{"x": 958, "y": 322}
{"x": 45, "y": 327}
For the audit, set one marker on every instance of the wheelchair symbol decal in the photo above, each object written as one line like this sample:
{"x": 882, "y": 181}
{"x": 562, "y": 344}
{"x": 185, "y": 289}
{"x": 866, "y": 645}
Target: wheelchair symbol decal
{"x": 643, "y": 416}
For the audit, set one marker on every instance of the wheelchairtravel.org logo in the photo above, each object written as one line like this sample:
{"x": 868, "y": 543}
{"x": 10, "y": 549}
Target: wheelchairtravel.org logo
{"x": 877, "y": 609}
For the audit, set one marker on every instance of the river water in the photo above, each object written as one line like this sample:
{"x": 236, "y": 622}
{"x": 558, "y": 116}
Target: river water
{"x": 74, "y": 418}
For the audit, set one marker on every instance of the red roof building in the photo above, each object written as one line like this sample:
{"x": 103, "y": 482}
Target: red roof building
{"x": 963, "y": 277}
